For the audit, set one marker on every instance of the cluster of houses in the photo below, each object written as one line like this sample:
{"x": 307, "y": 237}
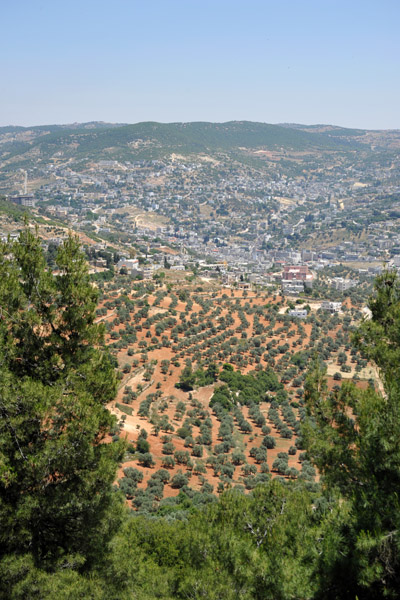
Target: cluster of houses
{"x": 235, "y": 223}
{"x": 326, "y": 306}
{"x": 296, "y": 279}
{"x": 263, "y": 212}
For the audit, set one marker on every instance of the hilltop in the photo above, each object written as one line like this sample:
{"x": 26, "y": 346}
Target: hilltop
{"x": 155, "y": 140}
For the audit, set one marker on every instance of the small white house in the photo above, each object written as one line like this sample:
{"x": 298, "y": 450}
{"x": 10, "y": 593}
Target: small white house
{"x": 300, "y": 313}
{"x": 130, "y": 264}
{"x": 333, "y": 307}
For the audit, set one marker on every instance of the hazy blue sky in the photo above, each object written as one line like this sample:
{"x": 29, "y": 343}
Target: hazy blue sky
{"x": 305, "y": 61}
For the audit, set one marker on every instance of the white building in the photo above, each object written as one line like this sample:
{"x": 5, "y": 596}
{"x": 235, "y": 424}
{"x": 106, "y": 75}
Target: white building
{"x": 292, "y": 288}
{"x": 341, "y": 284}
{"x": 333, "y": 307}
{"x": 130, "y": 264}
{"x": 300, "y": 313}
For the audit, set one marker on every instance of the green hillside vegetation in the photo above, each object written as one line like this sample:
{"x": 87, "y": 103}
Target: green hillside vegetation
{"x": 327, "y": 130}
{"x": 164, "y": 138}
{"x": 19, "y": 214}
{"x": 65, "y": 531}
{"x": 52, "y": 128}
{"x": 245, "y": 389}
{"x": 14, "y": 211}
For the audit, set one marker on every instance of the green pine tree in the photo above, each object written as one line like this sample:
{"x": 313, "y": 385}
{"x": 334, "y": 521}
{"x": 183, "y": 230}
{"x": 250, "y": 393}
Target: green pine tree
{"x": 56, "y": 474}
{"x": 353, "y": 437}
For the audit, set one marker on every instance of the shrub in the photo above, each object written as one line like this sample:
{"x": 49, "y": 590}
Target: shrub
{"x": 197, "y": 450}
{"x": 184, "y": 432}
{"x": 146, "y": 460}
{"x": 125, "y": 409}
{"x": 168, "y": 448}
{"x": 127, "y": 487}
{"x": 238, "y": 458}
{"x": 162, "y": 475}
{"x": 168, "y": 462}
{"x": 179, "y": 480}
{"x": 269, "y": 442}
{"x": 142, "y": 446}
{"x": 182, "y": 457}
{"x": 133, "y": 474}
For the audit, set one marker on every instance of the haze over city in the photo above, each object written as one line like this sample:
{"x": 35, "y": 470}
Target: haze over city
{"x": 174, "y": 60}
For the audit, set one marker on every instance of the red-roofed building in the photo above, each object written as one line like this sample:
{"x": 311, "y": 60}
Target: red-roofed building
{"x": 295, "y": 273}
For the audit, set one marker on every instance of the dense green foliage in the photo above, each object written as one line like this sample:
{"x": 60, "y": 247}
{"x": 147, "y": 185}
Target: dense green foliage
{"x": 251, "y": 388}
{"x": 14, "y": 211}
{"x": 200, "y": 377}
{"x": 353, "y": 437}
{"x": 165, "y": 138}
{"x": 56, "y": 500}
{"x": 245, "y": 389}
{"x": 253, "y": 547}
{"x": 62, "y": 528}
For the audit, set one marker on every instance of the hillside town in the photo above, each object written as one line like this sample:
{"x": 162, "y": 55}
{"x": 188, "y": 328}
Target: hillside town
{"x": 227, "y": 220}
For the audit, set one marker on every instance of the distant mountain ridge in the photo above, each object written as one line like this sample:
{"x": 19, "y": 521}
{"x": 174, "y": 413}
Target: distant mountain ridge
{"x": 55, "y": 127}
{"x": 153, "y": 140}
